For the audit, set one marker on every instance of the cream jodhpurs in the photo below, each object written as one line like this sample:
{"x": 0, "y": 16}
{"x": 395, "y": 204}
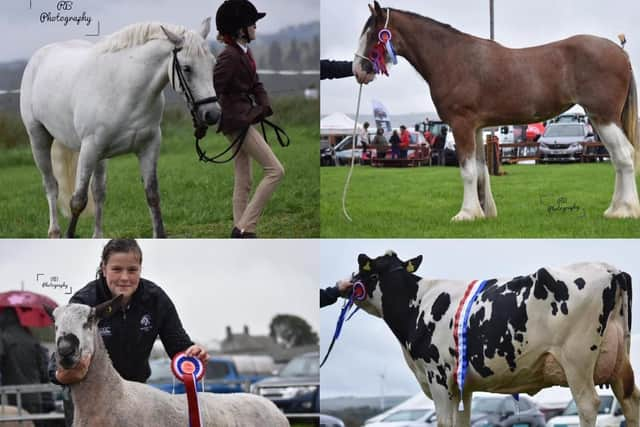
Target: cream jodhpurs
{"x": 246, "y": 212}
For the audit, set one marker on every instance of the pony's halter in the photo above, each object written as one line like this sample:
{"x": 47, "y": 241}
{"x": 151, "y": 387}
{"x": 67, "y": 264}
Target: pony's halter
{"x": 380, "y": 50}
{"x": 191, "y": 102}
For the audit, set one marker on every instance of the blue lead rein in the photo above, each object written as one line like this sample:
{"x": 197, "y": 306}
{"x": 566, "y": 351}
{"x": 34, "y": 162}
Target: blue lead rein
{"x": 358, "y": 294}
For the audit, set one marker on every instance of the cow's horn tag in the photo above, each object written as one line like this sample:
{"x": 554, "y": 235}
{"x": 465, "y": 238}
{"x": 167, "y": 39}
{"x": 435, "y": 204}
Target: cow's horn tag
{"x": 367, "y": 266}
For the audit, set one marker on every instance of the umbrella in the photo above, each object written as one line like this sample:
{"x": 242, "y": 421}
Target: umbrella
{"x": 29, "y": 307}
{"x": 533, "y": 130}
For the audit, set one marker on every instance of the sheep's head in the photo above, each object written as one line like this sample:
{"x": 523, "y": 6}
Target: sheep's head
{"x": 75, "y": 331}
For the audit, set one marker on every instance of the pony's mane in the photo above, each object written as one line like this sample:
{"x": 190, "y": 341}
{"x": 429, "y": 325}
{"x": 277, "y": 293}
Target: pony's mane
{"x": 139, "y": 34}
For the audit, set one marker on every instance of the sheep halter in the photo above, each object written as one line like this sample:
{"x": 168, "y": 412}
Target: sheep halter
{"x": 189, "y": 370}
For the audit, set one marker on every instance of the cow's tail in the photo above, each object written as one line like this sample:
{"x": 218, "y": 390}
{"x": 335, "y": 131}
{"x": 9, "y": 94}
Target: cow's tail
{"x": 626, "y": 293}
{"x": 65, "y": 163}
{"x": 630, "y": 121}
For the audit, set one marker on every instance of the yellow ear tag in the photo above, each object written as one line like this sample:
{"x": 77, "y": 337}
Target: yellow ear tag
{"x": 410, "y": 267}
{"x": 109, "y": 310}
{"x": 367, "y": 266}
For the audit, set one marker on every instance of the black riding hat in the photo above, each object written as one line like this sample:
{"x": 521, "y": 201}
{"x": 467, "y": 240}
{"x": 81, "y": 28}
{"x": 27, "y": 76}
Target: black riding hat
{"x": 233, "y": 15}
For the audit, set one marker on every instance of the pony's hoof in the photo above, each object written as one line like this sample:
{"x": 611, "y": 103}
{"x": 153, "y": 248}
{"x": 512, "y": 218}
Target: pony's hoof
{"x": 623, "y": 211}
{"x": 466, "y": 216}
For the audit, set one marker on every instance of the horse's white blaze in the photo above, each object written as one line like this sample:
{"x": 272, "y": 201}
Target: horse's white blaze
{"x": 471, "y": 208}
{"x": 361, "y": 75}
{"x": 624, "y": 203}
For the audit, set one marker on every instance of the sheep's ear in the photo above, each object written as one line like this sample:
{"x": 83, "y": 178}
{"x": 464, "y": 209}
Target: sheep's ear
{"x": 107, "y": 308}
{"x": 49, "y": 311}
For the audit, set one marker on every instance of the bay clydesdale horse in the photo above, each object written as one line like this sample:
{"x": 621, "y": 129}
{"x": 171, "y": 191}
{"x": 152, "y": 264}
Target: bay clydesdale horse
{"x": 478, "y": 83}
{"x": 565, "y": 326}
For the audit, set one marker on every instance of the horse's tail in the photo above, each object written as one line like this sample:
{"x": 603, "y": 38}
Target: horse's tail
{"x": 630, "y": 120}
{"x": 65, "y": 163}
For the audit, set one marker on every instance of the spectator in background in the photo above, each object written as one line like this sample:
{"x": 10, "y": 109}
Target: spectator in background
{"x": 22, "y": 362}
{"x": 405, "y": 140}
{"x": 438, "y": 146}
{"x": 395, "y": 144}
{"x": 365, "y": 140}
{"x": 380, "y": 144}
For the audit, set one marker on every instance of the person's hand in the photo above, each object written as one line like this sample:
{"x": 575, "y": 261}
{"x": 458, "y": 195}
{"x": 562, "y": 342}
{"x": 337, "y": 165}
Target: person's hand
{"x": 199, "y": 352}
{"x": 344, "y": 286}
{"x": 74, "y": 375}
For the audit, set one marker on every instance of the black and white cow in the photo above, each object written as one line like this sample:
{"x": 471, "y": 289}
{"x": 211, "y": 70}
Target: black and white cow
{"x": 558, "y": 326}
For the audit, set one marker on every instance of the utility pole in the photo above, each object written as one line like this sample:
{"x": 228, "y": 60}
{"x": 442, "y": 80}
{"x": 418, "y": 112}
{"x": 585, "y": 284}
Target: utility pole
{"x": 491, "y": 19}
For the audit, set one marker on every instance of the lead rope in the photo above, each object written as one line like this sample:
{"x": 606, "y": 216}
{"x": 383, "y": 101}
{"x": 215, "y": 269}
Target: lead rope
{"x": 353, "y": 149}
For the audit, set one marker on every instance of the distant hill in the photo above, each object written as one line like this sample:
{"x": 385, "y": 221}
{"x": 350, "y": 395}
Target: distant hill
{"x": 292, "y": 48}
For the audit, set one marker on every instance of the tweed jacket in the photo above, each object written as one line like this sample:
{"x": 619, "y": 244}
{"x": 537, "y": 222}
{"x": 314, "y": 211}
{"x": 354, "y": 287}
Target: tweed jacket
{"x": 241, "y": 95}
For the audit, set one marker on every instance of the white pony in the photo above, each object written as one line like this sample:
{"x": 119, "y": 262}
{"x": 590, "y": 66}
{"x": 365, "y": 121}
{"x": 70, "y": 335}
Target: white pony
{"x": 106, "y": 99}
{"x": 103, "y": 399}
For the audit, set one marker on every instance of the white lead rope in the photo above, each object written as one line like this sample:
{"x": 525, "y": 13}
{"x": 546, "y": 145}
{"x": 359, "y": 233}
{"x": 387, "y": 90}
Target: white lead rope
{"x": 353, "y": 149}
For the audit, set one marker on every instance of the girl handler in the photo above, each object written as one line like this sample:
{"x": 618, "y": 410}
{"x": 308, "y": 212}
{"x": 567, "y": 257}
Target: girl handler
{"x": 244, "y": 102}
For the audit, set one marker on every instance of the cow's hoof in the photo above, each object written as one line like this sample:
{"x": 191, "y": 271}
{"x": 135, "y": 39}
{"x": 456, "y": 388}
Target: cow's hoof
{"x": 467, "y": 216}
{"x": 623, "y": 210}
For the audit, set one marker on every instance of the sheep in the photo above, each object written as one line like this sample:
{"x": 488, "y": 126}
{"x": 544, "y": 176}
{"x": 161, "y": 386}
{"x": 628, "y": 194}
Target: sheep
{"x": 102, "y": 398}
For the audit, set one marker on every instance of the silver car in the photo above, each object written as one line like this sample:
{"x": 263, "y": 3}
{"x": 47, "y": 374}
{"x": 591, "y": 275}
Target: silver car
{"x": 562, "y": 142}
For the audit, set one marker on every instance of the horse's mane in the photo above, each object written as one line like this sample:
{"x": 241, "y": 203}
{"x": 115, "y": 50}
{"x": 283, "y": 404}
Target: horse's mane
{"x": 139, "y": 34}
{"x": 415, "y": 15}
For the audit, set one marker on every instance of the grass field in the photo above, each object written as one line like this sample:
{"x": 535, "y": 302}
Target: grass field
{"x": 195, "y": 197}
{"x": 533, "y": 201}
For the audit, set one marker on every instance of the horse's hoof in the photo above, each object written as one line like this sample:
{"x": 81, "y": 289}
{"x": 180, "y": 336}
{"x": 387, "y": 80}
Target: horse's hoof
{"x": 623, "y": 211}
{"x": 54, "y": 234}
{"x": 466, "y": 216}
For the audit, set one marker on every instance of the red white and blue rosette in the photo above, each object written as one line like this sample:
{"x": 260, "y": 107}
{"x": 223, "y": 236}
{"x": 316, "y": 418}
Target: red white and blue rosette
{"x": 189, "y": 370}
{"x": 460, "y": 333}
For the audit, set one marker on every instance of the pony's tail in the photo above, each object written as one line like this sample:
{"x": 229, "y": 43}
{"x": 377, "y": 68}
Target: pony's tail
{"x": 65, "y": 163}
{"x": 630, "y": 121}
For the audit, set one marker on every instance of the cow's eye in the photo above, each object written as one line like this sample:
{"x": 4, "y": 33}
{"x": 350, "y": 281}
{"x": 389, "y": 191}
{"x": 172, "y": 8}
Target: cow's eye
{"x": 374, "y": 278}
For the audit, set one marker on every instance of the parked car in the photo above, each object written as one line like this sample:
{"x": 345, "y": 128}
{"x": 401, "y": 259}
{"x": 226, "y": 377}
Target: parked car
{"x": 296, "y": 389}
{"x": 504, "y": 411}
{"x": 609, "y": 413}
{"x": 414, "y": 417}
{"x": 562, "y": 142}
{"x": 221, "y": 376}
{"x": 329, "y": 421}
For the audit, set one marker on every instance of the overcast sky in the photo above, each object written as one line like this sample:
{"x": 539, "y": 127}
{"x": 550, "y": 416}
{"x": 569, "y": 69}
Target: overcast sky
{"x": 213, "y": 283}
{"x": 517, "y": 24}
{"x": 367, "y": 349}
{"x": 23, "y": 33}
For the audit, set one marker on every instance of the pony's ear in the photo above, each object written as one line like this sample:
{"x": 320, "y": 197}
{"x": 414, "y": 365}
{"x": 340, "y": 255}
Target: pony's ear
{"x": 413, "y": 264}
{"x": 178, "y": 41}
{"x": 364, "y": 263}
{"x": 107, "y": 308}
{"x": 205, "y": 27}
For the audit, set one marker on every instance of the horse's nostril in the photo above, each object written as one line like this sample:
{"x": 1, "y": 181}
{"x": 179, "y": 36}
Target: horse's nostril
{"x": 212, "y": 117}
